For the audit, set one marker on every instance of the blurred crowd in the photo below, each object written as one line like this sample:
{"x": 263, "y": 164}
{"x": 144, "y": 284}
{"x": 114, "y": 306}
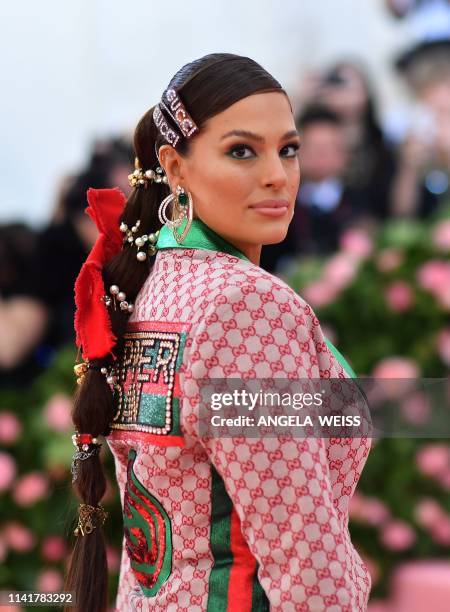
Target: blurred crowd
{"x": 356, "y": 171}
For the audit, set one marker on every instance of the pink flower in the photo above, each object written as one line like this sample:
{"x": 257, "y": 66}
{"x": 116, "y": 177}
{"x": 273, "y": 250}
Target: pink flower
{"x": 433, "y": 459}
{"x": 340, "y": 270}
{"x": 443, "y": 345}
{"x": 49, "y": 581}
{"x": 319, "y": 294}
{"x": 416, "y": 408}
{"x": 30, "y": 488}
{"x": 389, "y": 259}
{"x": 53, "y": 548}
{"x": 8, "y": 471}
{"x": 442, "y": 295}
{"x": 440, "y": 531}
{"x": 356, "y": 505}
{"x": 441, "y": 235}
{"x": 433, "y": 275}
{"x": 10, "y": 427}
{"x": 396, "y": 367}
{"x": 397, "y": 535}
{"x": 374, "y": 511}
{"x": 368, "y": 509}
{"x": 357, "y": 242}
{"x": 427, "y": 512}
{"x": 444, "y": 479}
{"x": 57, "y": 413}
{"x": 399, "y": 296}
{"x": 18, "y": 537}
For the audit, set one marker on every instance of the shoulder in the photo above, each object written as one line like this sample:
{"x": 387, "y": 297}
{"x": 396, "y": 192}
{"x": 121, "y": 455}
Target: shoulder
{"x": 249, "y": 288}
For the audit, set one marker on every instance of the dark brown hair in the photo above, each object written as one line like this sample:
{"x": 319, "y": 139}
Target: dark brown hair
{"x": 206, "y": 87}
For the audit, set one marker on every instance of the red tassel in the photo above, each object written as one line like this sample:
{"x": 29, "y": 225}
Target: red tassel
{"x": 92, "y": 323}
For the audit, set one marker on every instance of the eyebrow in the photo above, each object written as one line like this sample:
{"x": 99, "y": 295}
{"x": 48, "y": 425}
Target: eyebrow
{"x": 257, "y": 137}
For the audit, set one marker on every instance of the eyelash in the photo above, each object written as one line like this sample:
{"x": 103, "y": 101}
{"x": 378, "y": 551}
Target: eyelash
{"x": 240, "y": 147}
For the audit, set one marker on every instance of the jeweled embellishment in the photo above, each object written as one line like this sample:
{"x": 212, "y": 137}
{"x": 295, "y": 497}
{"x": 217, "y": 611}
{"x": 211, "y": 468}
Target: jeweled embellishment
{"x": 148, "y": 534}
{"x": 148, "y": 380}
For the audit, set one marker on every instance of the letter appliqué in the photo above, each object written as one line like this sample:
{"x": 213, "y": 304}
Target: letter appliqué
{"x": 148, "y": 378}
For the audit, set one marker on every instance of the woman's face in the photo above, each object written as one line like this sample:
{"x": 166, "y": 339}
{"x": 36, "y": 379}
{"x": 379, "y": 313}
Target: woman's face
{"x": 242, "y": 171}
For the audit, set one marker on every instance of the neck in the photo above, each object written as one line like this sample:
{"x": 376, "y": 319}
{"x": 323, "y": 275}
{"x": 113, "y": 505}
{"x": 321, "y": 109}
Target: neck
{"x": 251, "y": 251}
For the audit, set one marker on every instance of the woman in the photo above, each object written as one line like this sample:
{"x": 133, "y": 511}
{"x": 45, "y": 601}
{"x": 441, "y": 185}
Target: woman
{"x": 210, "y": 523}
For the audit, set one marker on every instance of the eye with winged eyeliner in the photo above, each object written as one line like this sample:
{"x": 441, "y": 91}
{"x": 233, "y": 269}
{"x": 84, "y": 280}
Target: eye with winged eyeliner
{"x": 232, "y": 152}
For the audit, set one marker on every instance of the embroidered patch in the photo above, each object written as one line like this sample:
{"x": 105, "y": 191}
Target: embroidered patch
{"x": 148, "y": 376}
{"x": 148, "y": 534}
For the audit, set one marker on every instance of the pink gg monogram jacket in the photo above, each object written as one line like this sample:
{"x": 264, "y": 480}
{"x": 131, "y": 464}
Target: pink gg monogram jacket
{"x": 234, "y": 523}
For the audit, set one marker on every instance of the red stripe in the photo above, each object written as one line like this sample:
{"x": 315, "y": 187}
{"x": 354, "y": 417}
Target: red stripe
{"x": 158, "y": 439}
{"x": 165, "y": 326}
{"x": 240, "y": 585}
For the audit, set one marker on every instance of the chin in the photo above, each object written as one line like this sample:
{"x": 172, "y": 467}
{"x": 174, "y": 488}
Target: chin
{"x": 274, "y": 233}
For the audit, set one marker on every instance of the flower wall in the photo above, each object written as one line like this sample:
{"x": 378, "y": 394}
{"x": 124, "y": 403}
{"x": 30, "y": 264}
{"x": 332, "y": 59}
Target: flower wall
{"x": 384, "y": 300}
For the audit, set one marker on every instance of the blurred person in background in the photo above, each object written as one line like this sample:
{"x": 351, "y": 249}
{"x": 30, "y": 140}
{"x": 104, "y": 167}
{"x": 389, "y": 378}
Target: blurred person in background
{"x": 40, "y": 321}
{"x": 326, "y": 204}
{"x": 22, "y": 318}
{"x": 344, "y": 88}
{"x": 422, "y": 180}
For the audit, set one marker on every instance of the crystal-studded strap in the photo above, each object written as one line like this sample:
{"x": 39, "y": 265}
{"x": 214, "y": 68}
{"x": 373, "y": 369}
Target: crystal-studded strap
{"x": 176, "y": 109}
{"x": 166, "y": 132}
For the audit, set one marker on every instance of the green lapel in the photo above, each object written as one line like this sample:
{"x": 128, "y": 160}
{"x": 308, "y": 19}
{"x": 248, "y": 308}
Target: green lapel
{"x": 200, "y": 236}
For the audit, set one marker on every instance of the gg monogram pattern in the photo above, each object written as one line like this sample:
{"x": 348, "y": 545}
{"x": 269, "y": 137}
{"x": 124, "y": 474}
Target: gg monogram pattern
{"x": 256, "y": 524}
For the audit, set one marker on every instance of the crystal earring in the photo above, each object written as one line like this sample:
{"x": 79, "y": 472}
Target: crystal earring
{"x": 182, "y": 208}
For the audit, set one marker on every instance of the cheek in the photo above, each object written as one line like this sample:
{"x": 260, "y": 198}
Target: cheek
{"x": 294, "y": 180}
{"x": 221, "y": 179}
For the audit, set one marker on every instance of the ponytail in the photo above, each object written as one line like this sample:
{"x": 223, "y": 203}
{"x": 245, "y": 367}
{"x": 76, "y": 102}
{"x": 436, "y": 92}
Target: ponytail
{"x": 94, "y": 403}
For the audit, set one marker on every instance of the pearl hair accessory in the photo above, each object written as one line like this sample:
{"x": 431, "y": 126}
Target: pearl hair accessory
{"x": 121, "y": 297}
{"x": 129, "y": 233}
{"x": 140, "y": 240}
{"x": 80, "y": 370}
{"x": 141, "y": 178}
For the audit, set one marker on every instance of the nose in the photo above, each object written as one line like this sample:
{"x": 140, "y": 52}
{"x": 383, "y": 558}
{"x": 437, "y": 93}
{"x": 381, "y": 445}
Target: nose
{"x": 273, "y": 172}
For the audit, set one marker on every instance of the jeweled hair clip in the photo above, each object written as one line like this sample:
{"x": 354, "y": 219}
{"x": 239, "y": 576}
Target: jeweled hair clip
{"x": 166, "y": 132}
{"x": 178, "y": 112}
{"x": 175, "y": 109}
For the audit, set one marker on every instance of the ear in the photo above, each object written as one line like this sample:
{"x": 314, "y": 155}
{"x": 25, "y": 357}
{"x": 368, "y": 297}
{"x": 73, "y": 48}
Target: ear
{"x": 172, "y": 163}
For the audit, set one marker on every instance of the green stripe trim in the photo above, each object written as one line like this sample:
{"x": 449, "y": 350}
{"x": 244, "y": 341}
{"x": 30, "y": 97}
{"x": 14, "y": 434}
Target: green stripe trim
{"x": 341, "y": 359}
{"x": 260, "y": 601}
{"x": 219, "y": 578}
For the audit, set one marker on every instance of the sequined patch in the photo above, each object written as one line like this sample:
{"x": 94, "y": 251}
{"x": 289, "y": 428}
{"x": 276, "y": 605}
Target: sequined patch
{"x": 148, "y": 376}
{"x": 148, "y": 536}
